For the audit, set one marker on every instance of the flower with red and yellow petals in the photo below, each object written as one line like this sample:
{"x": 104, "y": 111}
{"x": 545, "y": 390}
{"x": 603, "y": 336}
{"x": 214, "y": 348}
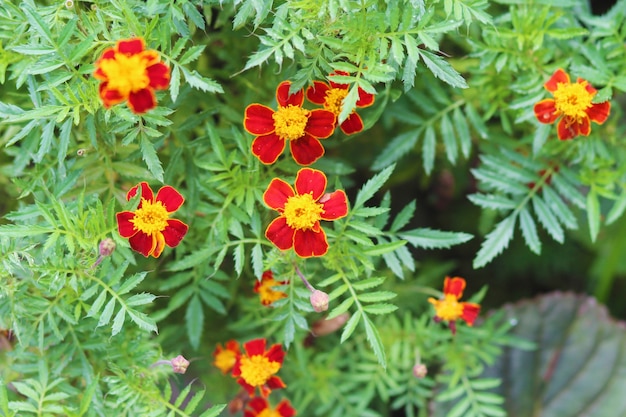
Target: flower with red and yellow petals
{"x": 131, "y": 73}
{"x": 301, "y": 210}
{"x": 331, "y": 97}
{"x": 265, "y": 286}
{"x": 302, "y": 128}
{"x": 149, "y": 228}
{"x": 450, "y": 309}
{"x": 224, "y": 358}
{"x": 256, "y": 367}
{"x": 572, "y": 103}
{"x": 260, "y": 407}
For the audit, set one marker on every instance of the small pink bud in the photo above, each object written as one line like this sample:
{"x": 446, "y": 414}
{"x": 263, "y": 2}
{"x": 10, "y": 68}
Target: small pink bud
{"x": 319, "y": 301}
{"x": 106, "y": 247}
{"x": 420, "y": 370}
{"x": 180, "y": 364}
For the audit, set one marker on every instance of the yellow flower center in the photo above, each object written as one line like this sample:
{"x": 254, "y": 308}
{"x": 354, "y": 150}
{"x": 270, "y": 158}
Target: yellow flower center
{"x": 334, "y": 100}
{"x": 269, "y": 413}
{"x": 572, "y": 100}
{"x": 225, "y": 360}
{"x": 290, "y": 122}
{"x": 302, "y": 212}
{"x": 449, "y": 308}
{"x": 125, "y": 73}
{"x": 150, "y": 218}
{"x": 256, "y": 370}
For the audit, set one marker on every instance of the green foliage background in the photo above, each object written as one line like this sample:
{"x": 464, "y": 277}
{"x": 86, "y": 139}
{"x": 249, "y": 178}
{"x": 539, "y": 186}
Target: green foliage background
{"x": 453, "y": 175}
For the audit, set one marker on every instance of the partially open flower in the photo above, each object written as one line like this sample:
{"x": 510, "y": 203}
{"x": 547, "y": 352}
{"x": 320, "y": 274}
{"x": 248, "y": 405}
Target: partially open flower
{"x": 572, "y": 103}
{"x": 131, "y": 73}
{"x": 257, "y": 367}
{"x": 331, "y": 97}
{"x": 260, "y": 407}
{"x": 224, "y": 358}
{"x": 265, "y": 288}
{"x": 450, "y": 309}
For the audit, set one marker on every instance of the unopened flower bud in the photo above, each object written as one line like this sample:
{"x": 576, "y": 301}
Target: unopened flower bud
{"x": 319, "y": 301}
{"x": 69, "y": 4}
{"x": 420, "y": 370}
{"x": 106, "y": 247}
{"x": 180, "y": 364}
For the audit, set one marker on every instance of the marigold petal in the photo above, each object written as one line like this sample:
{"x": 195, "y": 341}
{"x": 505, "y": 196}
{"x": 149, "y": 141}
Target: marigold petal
{"x": 365, "y": 99}
{"x": 249, "y": 388}
{"x": 141, "y": 101}
{"x": 146, "y": 192}
{"x": 306, "y": 150}
{"x": 277, "y": 194}
{"x": 255, "y": 347}
{"x": 130, "y": 46}
{"x": 454, "y": 286}
{"x": 276, "y": 353}
{"x": 584, "y": 127}
{"x": 307, "y": 243}
{"x": 108, "y": 53}
{"x": 316, "y": 93}
{"x": 124, "y": 226}
{"x": 268, "y": 148}
{"x": 599, "y": 112}
{"x": 142, "y": 243}
{"x": 159, "y": 244}
{"x": 258, "y": 404}
{"x": 284, "y": 98}
{"x": 232, "y": 345}
{"x": 334, "y": 84}
{"x": 588, "y": 86}
{"x": 274, "y": 382}
{"x": 335, "y": 205}
{"x": 174, "y": 232}
{"x": 567, "y": 129}
{"x": 280, "y": 234}
{"x": 171, "y": 199}
{"x": 258, "y": 119}
{"x": 310, "y": 181}
{"x": 353, "y": 124}
{"x": 236, "y": 370}
{"x": 559, "y": 77}
{"x": 110, "y": 97}
{"x": 321, "y": 123}
{"x": 470, "y": 312}
{"x": 545, "y": 111}
{"x": 159, "y": 76}
{"x": 285, "y": 409}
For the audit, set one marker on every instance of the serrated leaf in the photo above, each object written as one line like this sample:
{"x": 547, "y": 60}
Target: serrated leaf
{"x": 428, "y": 149}
{"x": 593, "y": 214}
{"x": 382, "y": 248}
{"x": 239, "y": 254}
{"x": 492, "y": 201}
{"x": 376, "y": 296}
{"x": 107, "y": 313}
{"x": 442, "y": 69}
{"x": 382, "y": 308}
{"x": 396, "y": 148}
{"x": 529, "y": 231}
{"x": 151, "y": 158}
{"x": 214, "y": 411}
{"x": 403, "y": 217}
{"x": 341, "y": 308}
{"x": 350, "y": 326}
{"x": 194, "y": 320}
{"x": 373, "y": 337}
{"x": 449, "y": 138}
{"x": 368, "y": 283}
{"x": 372, "y": 186}
{"x": 118, "y": 322}
{"x": 547, "y": 219}
{"x": 495, "y": 242}
{"x": 431, "y": 239}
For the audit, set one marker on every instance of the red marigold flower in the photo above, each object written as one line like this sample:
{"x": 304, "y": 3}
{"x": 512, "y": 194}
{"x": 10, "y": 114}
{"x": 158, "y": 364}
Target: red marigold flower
{"x": 131, "y": 73}
{"x": 331, "y": 97}
{"x": 572, "y": 103}
{"x": 224, "y": 358}
{"x": 265, "y": 286}
{"x": 450, "y": 309}
{"x": 256, "y": 368}
{"x": 149, "y": 228}
{"x": 302, "y": 128}
{"x": 260, "y": 407}
{"x": 298, "y": 225}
